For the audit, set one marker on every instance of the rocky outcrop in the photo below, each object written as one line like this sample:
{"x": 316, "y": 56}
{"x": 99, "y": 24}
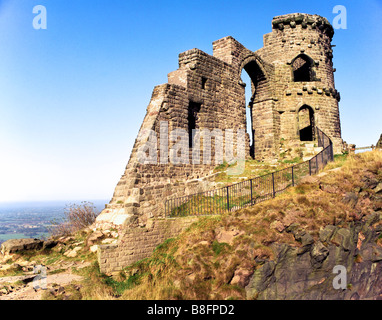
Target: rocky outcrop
{"x": 306, "y": 272}
{"x": 17, "y": 245}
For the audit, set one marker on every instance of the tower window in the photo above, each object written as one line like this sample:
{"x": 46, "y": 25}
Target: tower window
{"x": 193, "y": 111}
{"x": 204, "y": 81}
{"x": 303, "y": 69}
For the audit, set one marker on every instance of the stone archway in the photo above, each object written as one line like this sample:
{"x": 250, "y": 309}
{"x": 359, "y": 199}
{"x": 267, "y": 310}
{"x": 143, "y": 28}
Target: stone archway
{"x": 265, "y": 125}
{"x": 258, "y": 80}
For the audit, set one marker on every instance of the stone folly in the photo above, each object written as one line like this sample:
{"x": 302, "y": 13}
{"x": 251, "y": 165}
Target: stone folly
{"x": 293, "y": 92}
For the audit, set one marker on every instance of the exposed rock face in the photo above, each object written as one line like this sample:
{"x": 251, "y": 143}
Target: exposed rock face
{"x": 94, "y": 237}
{"x": 16, "y": 245}
{"x": 307, "y": 272}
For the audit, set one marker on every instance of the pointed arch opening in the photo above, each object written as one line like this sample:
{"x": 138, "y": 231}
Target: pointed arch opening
{"x": 303, "y": 69}
{"x": 306, "y": 123}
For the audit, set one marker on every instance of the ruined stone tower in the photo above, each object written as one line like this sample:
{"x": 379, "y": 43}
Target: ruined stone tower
{"x": 293, "y": 92}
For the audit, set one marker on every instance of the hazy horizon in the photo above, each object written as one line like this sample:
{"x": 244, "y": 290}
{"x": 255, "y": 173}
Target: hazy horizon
{"x": 47, "y": 203}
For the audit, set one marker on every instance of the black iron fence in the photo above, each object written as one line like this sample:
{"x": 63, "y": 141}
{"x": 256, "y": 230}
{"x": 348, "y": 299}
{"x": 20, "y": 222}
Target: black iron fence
{"x": 252, "y": 191}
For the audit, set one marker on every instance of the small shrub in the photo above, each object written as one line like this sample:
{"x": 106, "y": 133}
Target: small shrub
{"x": 76, "y": 218}
{"x": 222, "y": 167}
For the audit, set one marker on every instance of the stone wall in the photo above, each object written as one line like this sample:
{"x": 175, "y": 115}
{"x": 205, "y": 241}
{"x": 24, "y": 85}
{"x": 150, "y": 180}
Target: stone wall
{"x": 138, "y": 243}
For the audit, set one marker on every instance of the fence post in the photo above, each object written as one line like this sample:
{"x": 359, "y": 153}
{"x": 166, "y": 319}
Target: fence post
{"x": 316, "y": 164}
{"x": 292, "y": 176}
{"x": 273, "y": 184}
{"x": 251, "y": 191}
{"x": 228, "y": 199}
{"x": 322, "y": 157}
{"x": 310, "y": 168}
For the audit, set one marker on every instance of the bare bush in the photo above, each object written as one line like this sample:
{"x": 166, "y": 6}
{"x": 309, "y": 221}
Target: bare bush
{"x": 76, "y": 217}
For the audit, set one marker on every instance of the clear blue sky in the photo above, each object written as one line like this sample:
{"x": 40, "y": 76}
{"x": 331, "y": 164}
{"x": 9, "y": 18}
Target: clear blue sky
{"x": 72, "y": 97}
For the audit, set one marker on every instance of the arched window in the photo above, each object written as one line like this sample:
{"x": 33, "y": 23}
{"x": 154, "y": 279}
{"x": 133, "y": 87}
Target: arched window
{"x": 302, "y": 67}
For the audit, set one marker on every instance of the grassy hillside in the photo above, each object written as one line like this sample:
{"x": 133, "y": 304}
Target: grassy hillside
{"x": 215, "y": 257}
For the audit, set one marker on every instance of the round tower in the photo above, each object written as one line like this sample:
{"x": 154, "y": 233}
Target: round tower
{"x": 301, "y": 52}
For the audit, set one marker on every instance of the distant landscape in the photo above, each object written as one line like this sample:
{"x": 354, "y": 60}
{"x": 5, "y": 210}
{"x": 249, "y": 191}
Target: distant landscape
{"x": 32, "y": 219}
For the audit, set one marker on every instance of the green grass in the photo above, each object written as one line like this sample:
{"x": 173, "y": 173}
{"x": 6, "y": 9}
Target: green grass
{"x": 165, "y": 245}
{"x": 56, "y": 271}
{"x": 221, "y": 167}
{"x": 339, "y": 161}
{"x": 293, "y": 161}
{"x": 218, "y": 248}
{"x": 119, "y": 287}
{"x": 340, "y": 158}
{"x": 253, "y": 168}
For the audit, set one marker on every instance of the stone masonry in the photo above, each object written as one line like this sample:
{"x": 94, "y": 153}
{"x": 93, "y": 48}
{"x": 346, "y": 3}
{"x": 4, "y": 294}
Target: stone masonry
{"x": 293, "y": 91}
{"x": 139, "y": 243}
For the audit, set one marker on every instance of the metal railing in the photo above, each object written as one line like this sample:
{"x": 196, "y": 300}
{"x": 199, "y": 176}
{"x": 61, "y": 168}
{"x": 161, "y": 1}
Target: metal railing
{"x": 372, "y": 147}
{"x": 252, "y": 191}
